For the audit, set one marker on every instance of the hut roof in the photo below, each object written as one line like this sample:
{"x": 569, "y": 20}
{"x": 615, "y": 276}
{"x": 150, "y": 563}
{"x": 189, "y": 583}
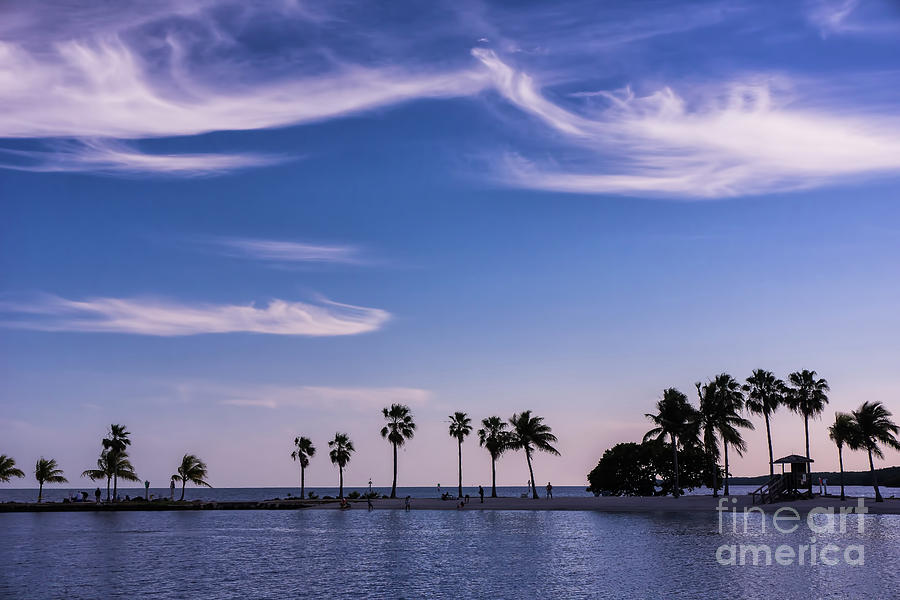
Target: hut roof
{"x": 792, "y": 458}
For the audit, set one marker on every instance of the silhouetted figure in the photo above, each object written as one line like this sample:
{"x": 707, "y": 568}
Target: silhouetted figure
{"x": 481, "y": 493}
{"x": 406, "y": 504}
{"x": 549, "y": 490}
{"x": 467, "y": 499}
{"x": 97, "y": 495}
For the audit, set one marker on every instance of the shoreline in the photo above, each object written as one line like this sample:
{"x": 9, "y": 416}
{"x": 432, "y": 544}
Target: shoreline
{"x": 612, "y": 504}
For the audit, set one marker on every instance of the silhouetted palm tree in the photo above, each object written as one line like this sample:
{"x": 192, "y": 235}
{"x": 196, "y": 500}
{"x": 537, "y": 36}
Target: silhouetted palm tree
{"x": 109, "y": 466}
{"x": 193, "y": 470}
{"x": 460, "y": 427}
{"x": 842, "y": 432}
{"x": 115, "y": 443}
{"x": 807, "y": 397}
{"x": 721, "y": 403}
{"x": 874, "y": 426}
{"x": 400, "y": 427}
{"x": 529, "y": 433}
{"x": 341, "y": 449}
{"x": 303, "y": 450}
{"x": 765, "y": 393}
{"x": 8, "y": 469}
{"x": 677, "y": 419}
{"x": 47, "y": 471}
{"x": 493, "y": 437}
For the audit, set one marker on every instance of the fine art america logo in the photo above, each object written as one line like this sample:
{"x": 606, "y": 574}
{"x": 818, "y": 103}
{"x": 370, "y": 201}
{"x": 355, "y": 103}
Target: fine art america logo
{"x": 786, "y": 521}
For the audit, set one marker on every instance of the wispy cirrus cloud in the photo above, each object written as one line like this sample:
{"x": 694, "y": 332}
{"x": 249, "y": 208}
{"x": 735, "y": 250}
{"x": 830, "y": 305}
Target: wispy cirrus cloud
{"x": 153, "y": 317}
{"x": 741, "y": 137}
{"x": 854, "y": 17}
{"x": 283, "y": 251}
{"x": 305, "y": 396}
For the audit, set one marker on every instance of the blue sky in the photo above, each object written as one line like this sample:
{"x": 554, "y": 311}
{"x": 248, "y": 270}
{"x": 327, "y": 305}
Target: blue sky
{"x": 229, "y": 225}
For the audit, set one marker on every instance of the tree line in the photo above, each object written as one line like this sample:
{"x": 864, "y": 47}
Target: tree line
{"x": 705, "y": 434}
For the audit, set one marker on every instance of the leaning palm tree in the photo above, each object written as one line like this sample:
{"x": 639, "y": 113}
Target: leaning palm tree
{"x": 400, "y": 427}
{"x": 341, "y": 449}
{"x": 874, "y": 426}
{"x": 842, "y": 432}
{"x": 112, "y": 465}
{"x": 8, "y": 469}
{"x": 807, "y": 397}
{"x": 530, "y": 434}
{"x": 721, "y": 403}
{"x": 765, "y": 393}
{"x": 116, "y": 443}
{"x": 192, "y": 470}
{"x": 460, "y": 427}
{"x": 708, "y": 418}
{"x": 495, "y": 439}
{"x": 47, "y": 471}
{"x": 303, "y": 450}
{"x": 677, "y": 419}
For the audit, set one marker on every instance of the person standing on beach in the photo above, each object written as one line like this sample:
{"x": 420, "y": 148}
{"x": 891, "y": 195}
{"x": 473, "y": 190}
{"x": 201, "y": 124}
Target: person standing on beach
{"x": 549, "y": 490}
{"x": 406, "y": 504}
{"x": 481, "y": 493}
{"x": 97, "y": 495}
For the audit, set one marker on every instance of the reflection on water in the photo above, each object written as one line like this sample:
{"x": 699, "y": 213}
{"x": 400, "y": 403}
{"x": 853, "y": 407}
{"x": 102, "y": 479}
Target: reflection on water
{"x": 418, "y": 554}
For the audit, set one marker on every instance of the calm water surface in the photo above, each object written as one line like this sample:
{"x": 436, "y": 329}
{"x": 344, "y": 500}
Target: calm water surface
{"x": 419, "y": 554}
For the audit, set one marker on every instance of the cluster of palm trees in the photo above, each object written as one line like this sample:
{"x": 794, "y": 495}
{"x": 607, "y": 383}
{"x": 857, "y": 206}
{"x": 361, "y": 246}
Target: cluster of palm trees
{"x": 525, "y": 432}
{"x": 113, "y": 465}
{"x": 723, "y": 402}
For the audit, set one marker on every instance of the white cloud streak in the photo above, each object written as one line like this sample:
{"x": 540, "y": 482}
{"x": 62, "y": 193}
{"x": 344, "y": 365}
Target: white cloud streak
{"x": 740, "y": 138}
{"x": 287, "y": 252}
{"x": 166, "y": 318}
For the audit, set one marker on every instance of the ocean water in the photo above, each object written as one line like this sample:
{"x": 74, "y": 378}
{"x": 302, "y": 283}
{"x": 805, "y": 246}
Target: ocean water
{"x": 421, "y": 554}
{"x": 57, "y": 494}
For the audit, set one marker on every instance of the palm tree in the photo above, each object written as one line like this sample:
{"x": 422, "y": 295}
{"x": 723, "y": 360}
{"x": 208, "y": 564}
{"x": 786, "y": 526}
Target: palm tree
{"x": 874, "y": 427}
{"x": 707, "y": 418}
{"x": 303, "y": 450}
{"x": 765, "y": 393}
{"x": 807, "y": 397}
{"x": 8, "y": 469}
{"x": 400, "y": 427}
{"x": 460, "y": 427}
{"x": 530, "y": 434}
{"x": 109, "y": 466}
{"x": 341, "y": 449}
{"x": 47, "y": 471}
{"x": 675, "y": 418}
{"x": 721, "y": 403}
{"x": 843, "y": 431}
{"x": 193, "y": 470}
{"x": 116, "y": 444}
{"x": 495, "y": 439}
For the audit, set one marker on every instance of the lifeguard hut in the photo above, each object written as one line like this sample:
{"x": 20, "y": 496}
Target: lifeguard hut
{"x": 789, "y": 484}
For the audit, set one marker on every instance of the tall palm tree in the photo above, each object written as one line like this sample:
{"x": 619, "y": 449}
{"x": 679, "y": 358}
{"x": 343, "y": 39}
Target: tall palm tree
{"x": 193, "y": 470}
{"x": 530, "y": 434}
{"x": 460, "y": 427}
{"x": 721, "y": 403}
{"x": 843, "y": 431}
{"x": 303, "y": 450}
{"x": 111, "y": 465}
{"x": 8, "y": 469}
{"x": 495, "y": 439}
{"x": 47, "y": 471}
{"x": 765, "y": 393}
{"x": 117, "y": 440}
{"x": 341, "y": 449}
{"x": 675, "y": 418}
{"x": 708, "y": 417}
{"x": 400, "y": 427}
{"x": 874, "y": 426}
{"x": 807, "y": 397}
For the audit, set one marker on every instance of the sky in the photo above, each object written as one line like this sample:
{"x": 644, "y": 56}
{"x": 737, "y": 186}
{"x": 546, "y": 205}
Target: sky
{"x": 226, "y": 224}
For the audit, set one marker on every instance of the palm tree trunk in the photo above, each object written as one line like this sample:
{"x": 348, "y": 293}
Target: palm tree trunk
{"x": 115, "y": 486}
{"x": 771, "y": 456}
{"x": 394, "y": 484}
{"x": 107, "y": 489}
{"x": 40, "y": 491}
{"x": 531, "y": 472}
{"x": 341, "y": 488}
{"x": 715, "y": 472}
{"x": 841, "y": 462}
{"x": 675, "y": 458}
{"x": 302, "y": 482}
{"x": 808, "y": 472}
{"x": 183, "y": 482}
{"x": 493, "y": 476}
{"x": 878, "y": 497}
{"x": 460, "y": 467}
{"x": 725, "y": 445}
